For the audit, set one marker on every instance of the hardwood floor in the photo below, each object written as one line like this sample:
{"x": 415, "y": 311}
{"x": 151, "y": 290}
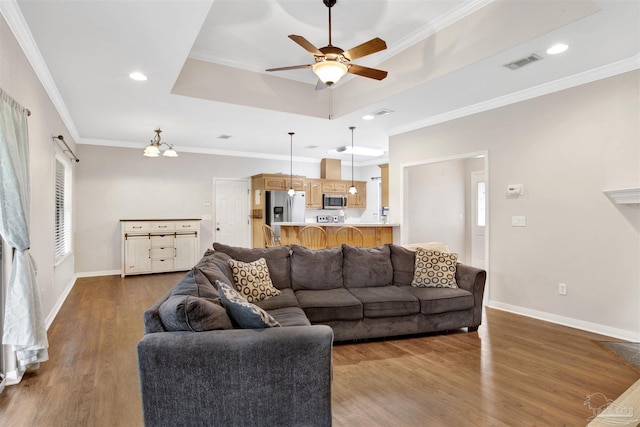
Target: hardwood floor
{"x": 515, "y": 371}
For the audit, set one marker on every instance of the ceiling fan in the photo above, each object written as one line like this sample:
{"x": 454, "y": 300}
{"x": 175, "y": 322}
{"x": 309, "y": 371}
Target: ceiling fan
{"x": 332, "y": 62}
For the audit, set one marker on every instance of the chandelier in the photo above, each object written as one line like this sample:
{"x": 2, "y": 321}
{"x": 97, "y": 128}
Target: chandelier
{"x": 153, "y": 149}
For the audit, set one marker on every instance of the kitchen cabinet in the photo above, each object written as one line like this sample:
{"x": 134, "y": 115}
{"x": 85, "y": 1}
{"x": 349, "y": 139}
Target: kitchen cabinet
{"x": 384, "y": 180}
{"x": 358, "y": 200}
{"x": 155, "y": 246}
{"x": 313, "y": 188}
{"x": 283, "y": 183}
{"x": 374, "y": 235}
{"x": 334, "y": 187}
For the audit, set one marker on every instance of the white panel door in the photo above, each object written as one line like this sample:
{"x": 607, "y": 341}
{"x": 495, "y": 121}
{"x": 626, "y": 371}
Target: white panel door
{"x": 232, "y": 223}
{"x": 479, "y": 215}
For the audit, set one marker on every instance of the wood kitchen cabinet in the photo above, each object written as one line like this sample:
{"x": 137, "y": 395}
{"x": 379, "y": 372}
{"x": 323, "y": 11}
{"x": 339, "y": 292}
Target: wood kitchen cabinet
{"x": 155, "y": 246}
{"x": 313, "y": 188}
{"x": 283, "y": 183}
{"x": 358, "y": 200}
{"x": 334, "y": 187}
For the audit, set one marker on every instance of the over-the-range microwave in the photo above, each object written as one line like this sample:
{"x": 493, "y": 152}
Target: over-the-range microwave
{"x": 334, "y": 201}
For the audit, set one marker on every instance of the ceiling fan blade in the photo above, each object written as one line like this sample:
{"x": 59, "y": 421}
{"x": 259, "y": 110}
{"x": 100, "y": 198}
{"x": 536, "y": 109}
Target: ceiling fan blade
{"x": 372, "y": 73}
{"x": 320, "y": 85}
{"x": 306, "y": 44}
{"x": 292, "y": 67}
{"x": 366, "y": 48}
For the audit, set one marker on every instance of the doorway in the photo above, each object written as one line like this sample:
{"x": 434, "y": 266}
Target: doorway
{"x": 446, "y": 200}
{"x": 232, "y": 225}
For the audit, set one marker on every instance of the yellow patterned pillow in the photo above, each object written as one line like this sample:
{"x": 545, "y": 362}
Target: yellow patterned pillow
{"x": 434, "y": 269}
{"x": 252, "y": 280}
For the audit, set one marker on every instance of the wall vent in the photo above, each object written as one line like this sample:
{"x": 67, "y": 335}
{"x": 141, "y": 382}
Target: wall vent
{"x": 519, "y": 63}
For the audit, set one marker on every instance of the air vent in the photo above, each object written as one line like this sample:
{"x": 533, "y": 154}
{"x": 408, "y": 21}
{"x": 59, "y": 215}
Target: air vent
{"x": 223, "y": 136}
{"x": 382, "y": 112}
{"x": 515, "y": 65}
{"x": 311, "y": 147}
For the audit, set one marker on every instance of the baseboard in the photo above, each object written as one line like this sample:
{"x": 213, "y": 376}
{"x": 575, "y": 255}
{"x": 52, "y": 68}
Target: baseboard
{"x": 98, "y": 273}
{"x": 56, "y": 308}
{"x": 568, "y": 321}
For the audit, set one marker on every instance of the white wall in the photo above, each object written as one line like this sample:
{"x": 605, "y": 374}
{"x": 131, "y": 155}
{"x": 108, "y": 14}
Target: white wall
{"x": 566, "y": 148}
{"x": 18, "y": 79}
{"x": 436, "y": 209}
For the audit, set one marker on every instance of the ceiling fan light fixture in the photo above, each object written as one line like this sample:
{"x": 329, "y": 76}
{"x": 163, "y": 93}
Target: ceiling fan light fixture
{"x": 151, "y": 151}
{"x": 330, "y": 71}
{"x": 170, "y": 152}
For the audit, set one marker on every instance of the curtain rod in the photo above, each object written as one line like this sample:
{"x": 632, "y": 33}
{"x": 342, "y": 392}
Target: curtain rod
{"x": 68, "y": 150}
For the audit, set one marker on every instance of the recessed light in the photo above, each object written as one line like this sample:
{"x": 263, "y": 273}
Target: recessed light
{"x": 368, "y": 117}
{"x": 138, "y": 76}
{"x": 557, "y": 48}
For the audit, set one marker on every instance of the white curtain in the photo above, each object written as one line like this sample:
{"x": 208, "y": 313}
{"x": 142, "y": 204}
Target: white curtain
{"x": 24, "y": 326}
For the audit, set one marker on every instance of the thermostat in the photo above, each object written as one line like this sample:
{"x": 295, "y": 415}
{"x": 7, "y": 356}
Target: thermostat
{"x": 515, "y": 190}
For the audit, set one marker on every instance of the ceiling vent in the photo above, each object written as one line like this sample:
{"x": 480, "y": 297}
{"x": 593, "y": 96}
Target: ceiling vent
{"x": 517, "y": 64}
{"x": 223, "y": 136}
{"x": 382, "y": 112}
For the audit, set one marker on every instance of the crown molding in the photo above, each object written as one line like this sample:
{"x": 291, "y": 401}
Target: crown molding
{"x": 609, "y": 70}
{"x": 15, "y": 20}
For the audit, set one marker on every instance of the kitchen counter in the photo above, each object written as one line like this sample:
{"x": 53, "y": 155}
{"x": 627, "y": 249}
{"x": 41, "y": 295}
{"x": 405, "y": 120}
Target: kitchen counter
{"x": 339, "y": 224}
{"x": 375, "y": 234}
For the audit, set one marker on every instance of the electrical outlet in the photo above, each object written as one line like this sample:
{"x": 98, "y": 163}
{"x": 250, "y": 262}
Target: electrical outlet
{"x": 562, "y": 288}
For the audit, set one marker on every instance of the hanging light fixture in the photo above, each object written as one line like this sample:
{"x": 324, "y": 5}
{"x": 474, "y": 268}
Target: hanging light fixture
{"x": 291, "y": 191}
{"x": 153, "y": 149}
{"x": 352, "y": 189}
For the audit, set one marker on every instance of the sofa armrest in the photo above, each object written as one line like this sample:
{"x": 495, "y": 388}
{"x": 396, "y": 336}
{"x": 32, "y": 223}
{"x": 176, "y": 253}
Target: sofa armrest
{"x": 473, "y": 280}
{"x": 257, "y": 377}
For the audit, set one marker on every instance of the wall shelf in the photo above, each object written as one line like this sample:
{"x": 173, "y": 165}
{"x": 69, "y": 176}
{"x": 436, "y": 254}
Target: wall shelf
{"x": 625, "y": 196}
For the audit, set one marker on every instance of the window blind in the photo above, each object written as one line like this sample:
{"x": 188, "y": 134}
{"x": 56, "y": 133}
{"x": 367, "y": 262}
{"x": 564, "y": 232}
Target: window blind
{"x": 62, "y": 239}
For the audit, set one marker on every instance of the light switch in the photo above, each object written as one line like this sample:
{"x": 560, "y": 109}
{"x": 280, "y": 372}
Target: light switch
{"x": 518, "y": 221}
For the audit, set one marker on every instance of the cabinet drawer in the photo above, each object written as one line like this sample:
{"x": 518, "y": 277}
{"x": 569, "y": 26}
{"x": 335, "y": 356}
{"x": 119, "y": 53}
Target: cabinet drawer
{"x": 186, "y": 226}
{"x": 160, "y": 241}
{"x": 162, "y": 226}
{"x": 162, "y": 253}
{"x": 161, "y": 265}
{"x": 132, "y": 227}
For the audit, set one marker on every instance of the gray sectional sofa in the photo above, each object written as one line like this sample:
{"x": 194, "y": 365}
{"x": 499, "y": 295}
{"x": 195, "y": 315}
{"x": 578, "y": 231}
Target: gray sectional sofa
{"x": 197, "y": 367}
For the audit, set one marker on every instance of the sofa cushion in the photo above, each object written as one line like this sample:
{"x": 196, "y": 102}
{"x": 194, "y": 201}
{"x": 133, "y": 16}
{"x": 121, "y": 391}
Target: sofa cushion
{"x": 212, "y": 267}
{"x": 252, "y": 280}
{"x": 194, "y": 284}
{"x": 329, "y": 304}
{"x": 316, "y": 269}
{"x": 386, "y": 301}
{"x": 290, "y": 316}
{"x": 366, "y": 267}
{"x": 403, "y": 261}
{"x": 242, "y": 313}
{"x": 435, "y": 269}
{"x": 189, "y": 313}
{"x": 441, "y": 300}
{"x": 286, "y": 298}
{"x": 278, "y": 260}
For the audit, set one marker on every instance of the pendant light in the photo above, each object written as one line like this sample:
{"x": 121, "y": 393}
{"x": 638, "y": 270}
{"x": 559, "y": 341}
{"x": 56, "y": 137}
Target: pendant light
{"x": 352, "y": 189}
{"x": 291, "y": 191}
{"x": 153, "y": 149}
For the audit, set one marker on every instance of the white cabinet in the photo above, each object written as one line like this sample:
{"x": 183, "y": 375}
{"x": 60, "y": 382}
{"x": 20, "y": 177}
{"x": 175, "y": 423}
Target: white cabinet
{"x": 155, "y": 246}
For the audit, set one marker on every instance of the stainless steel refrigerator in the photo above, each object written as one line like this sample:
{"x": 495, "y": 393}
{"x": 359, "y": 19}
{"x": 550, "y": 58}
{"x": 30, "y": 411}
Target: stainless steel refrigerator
{"x": 281, "y": 207}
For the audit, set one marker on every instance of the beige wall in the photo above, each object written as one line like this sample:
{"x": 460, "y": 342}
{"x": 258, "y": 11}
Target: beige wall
{"x": 18, "y": 79}
{"x": 566, "y": 148}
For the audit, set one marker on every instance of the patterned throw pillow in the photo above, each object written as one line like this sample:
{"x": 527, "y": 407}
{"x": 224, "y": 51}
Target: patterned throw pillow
{"x": 434, "y": 269}
{"x": 243, "y": 313}
{"x": 252, "y": 280}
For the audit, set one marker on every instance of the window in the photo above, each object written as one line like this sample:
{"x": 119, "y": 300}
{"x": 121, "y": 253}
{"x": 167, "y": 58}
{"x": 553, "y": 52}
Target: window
{"x": 62, "y": 239}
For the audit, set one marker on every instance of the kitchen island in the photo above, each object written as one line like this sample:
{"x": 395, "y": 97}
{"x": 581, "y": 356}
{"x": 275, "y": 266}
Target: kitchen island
{"x": 375, "y": 234}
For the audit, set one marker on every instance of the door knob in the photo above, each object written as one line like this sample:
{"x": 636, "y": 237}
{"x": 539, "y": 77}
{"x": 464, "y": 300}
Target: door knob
{"x": 217, "y": 228}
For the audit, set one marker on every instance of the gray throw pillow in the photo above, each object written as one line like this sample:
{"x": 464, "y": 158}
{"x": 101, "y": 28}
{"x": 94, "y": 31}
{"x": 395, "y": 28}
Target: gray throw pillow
{"x": 403, "y": 261}
{"x": 189, "y": 313}
{"x": 243, "y": 313}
